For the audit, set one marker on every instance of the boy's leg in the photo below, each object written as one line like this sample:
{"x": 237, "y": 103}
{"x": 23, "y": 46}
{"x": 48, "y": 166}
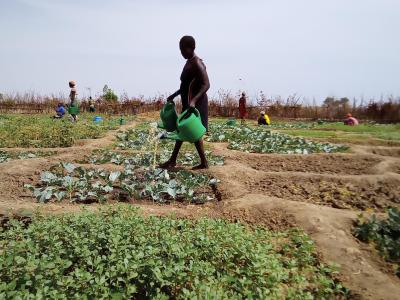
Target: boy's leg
{"x": 172, "y": 161}
{"x": 203, "y": 160}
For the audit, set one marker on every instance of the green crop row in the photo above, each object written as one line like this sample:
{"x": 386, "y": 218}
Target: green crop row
{"x": 187, "y": 158}
{"x": 6, "y": 156}
{"x": 82, "y": 185}
{"x": 262, "y": 140}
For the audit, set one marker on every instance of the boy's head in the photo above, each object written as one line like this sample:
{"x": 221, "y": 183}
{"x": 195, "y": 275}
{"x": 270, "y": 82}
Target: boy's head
{"x": 262, "y": 113}
{"x": 71, "y": 83}
{"x": 187, "y": 44}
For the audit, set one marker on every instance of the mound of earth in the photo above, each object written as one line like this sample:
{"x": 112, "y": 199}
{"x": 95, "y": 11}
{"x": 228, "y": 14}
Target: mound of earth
{"x": 347, "y": 164}
{"x": 334, "y": 192}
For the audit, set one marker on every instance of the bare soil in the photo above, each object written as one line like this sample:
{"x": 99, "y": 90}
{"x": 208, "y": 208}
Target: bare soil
{"x": 321, "y": 193}
{"x": 337, "y": 192}
{"x": 317, "y": 163}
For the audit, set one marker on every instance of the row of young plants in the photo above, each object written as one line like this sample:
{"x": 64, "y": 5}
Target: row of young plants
{"x": 6, "y": 156}
{"x": 145, "y": 137}
{"x": 148, "y": 139}
{"x": 244, "y": 138}
{"x": 261, "y": 140}
{"x": 146, "y": 159}
{"x": 78, "y": 184}
{"x": 294, "y": 125}
{"x": 42, "y": 131}
{"x": 383, "y": 234}
{"x": 119, "y": 254}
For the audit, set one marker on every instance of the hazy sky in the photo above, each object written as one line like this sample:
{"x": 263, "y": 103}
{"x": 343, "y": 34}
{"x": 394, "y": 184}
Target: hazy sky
{"x": 313, "y": 48}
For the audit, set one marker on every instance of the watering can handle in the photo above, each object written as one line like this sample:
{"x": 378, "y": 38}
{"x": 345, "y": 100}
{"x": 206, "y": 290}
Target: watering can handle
{"x": 187, "y": 113}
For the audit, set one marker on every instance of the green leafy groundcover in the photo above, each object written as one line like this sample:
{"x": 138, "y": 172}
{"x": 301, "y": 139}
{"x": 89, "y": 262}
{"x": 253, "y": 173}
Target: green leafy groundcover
{"x": 260, "y": 140}
{"x": 120, "y": 254}
{"x": 384, "y": 234}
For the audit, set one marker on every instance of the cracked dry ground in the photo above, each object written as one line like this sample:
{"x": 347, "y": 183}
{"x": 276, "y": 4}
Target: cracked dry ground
{"x": 321, "y": 193}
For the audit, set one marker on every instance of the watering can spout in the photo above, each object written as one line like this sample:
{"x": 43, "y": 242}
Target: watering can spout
{"x": 171, "y": 136}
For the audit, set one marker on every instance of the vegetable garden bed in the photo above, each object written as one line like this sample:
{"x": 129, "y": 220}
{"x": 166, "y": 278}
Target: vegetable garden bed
{"x": 120, "y": 254}
{"x": 187, "y": 158}
{"x": 77, "y": 184}
{"x": 44, "y": 132}
{"x": 262, "y": 140}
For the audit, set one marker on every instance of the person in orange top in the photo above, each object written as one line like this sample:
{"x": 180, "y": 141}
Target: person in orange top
{"x": 350, "y": 120}
{"x": 242, "y": 107}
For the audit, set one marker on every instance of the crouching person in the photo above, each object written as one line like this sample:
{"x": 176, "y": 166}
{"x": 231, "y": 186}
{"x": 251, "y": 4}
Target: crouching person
{"x": 60, "y": 111}
{"x": 350, "y": 120}
{"x": 264, "y": 119}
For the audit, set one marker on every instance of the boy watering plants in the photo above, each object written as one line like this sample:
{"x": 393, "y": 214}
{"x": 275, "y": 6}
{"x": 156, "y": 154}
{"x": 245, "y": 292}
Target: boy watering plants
{"x": 193, "y": 92}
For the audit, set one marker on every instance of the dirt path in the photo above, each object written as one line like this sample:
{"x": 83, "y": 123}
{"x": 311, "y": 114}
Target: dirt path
{"x": 321, "y": 193}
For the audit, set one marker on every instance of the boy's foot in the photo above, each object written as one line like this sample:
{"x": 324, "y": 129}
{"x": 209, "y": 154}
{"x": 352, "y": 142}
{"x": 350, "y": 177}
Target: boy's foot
{"x": 168, "y": 165}
{"x": 200, "y": 167}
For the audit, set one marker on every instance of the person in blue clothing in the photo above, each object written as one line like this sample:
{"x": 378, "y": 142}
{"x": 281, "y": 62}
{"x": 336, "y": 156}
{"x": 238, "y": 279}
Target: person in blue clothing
{"x": 60, "y": 111}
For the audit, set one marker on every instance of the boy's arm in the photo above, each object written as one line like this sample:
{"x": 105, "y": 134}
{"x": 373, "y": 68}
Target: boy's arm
{"x": 171, "y": 97}
{"x": 204, "y": 83}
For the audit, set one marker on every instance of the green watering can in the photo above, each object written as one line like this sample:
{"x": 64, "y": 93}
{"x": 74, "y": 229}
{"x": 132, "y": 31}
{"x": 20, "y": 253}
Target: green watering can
{"x": 231, "y": 122}
{"x": 168, "y": 117}
{"x": 73, "y": 110}
{"x": 189, "y": 127}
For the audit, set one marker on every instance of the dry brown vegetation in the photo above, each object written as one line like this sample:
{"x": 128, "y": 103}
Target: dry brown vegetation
{"x": 385, "y": 110}
{"x": 223, "y": 104}
{"x": 36, "y": 103}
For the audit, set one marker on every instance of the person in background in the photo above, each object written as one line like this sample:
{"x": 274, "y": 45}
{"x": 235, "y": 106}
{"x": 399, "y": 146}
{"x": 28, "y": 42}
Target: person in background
{"x": 350, "y": 120}
{"x": 193, "y": 91}
{"x": 60, "y": 111}
{"x": 263, "y": 119}
{"x": 91, "y": 105}
{"x": 242, "y": 108}
{"x": 72, "y": 97}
